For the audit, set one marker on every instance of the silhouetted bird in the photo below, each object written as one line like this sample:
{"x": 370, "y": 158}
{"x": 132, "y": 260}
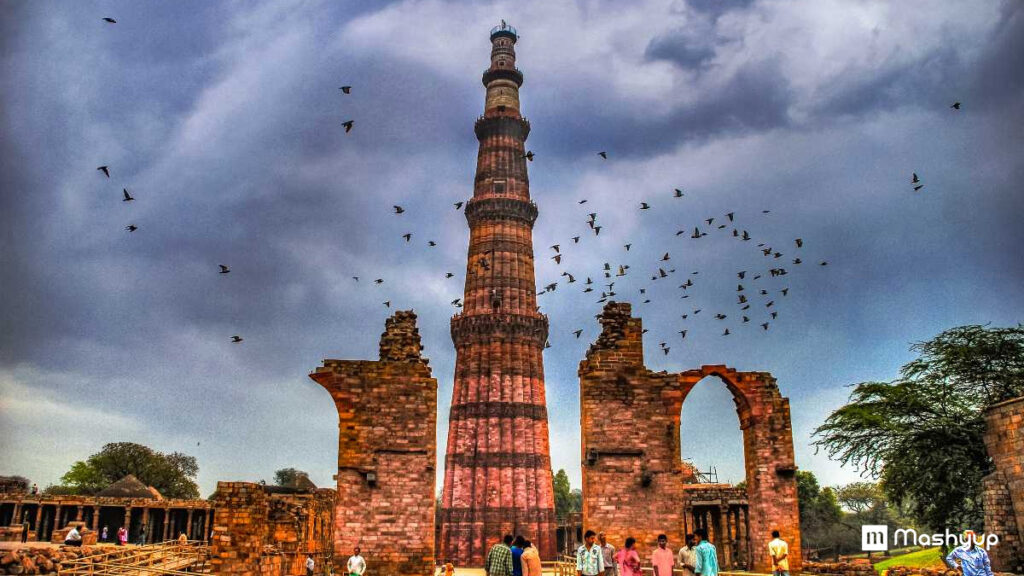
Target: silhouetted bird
{"x": 603, "y": 155}
{"x": 236, "y": 339}
{"x": 799, "y": 242}
{"x": 644, "y": 206}
{"x": 683, "y": 333}
{"x": 356, "y": 278}
{"x": 407, "y": 236}
{"x": 914, "y": 179}
{"x": 458, "y": 205}
{"x": 127, "y": 196}
{"x": 224, "y": 269}
{"x": 627, "y": 247}
{"x": 785, "y": 291}
{"x": 665, "y": 257}
{"x": 955, "y": 106}
{"x": 578, "y": 332}
{"x": 431, "y": 243}
{"x": 679, "y": 193}
{"x": 584, "y": 201}
{"x": 398, "y": 209}
{"x": 529, "y": 155}
{"x": 131, "y": 227}
{"x": 575, "y": 239}
{"x": 918, "y": 187}
{"x": 709, "y": 221}
{"x": 824, "y": 263}
{"x": 348, "y": 124}
{"x": 665, "y": 350}
{"x": 110, "y": 20}
{"x": 448, "y": 274}
{"x": 346, "y": 89}
{"x": 387, "y": 303}
{"x": 726, "y": 333}
{"x": 597, "y": 230}
{"x": 105, "y": 170}
{"x": 765, "y": 325}
{"x": 555, "y": 247}
{"x": 741, "y": 274}
{"x": 720, "y": 316}
{"x": 775, "y": 315}
{"x": 378, "y": 281}
{"x": 557, "y": 258}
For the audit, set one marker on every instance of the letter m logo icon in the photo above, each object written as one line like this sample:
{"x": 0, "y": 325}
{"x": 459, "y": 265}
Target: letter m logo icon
{"x": 874, "y": 537}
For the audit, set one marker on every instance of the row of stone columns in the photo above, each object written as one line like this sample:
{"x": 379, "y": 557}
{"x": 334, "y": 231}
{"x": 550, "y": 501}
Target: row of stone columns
{"x": 21, "y": 512}
{"x": 727, "y": 528}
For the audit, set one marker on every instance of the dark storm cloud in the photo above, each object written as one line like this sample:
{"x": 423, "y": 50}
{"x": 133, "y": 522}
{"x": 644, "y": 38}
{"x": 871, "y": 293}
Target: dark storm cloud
{"x": 718, "y": 7}
{"x": 224, "y": 122}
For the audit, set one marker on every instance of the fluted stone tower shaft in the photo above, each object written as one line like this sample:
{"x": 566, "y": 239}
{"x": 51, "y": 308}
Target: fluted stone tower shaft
{"x": 498, "y": 468}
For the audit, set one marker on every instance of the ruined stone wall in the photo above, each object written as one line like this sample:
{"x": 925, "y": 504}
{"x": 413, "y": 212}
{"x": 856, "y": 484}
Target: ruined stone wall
{"x": 387, "y": 422}
{"x": 257, "y": 531}
{"x": 633, "y": 478}
{"x": 1004, "y": 487}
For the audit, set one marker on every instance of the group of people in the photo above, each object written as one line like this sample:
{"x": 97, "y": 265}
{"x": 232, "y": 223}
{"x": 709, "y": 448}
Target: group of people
{"x": 596, "y": 557}
{"x": 511, "y": 557}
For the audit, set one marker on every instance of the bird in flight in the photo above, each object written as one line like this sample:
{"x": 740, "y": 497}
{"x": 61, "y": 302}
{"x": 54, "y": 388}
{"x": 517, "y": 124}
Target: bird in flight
{"x": 110, "y": 20}
{"x": 555, "y": 247}
{"x": 431, "y": 243}
{"x": 765, "y": 325}
{"x": 726, "y": 333}
{"x": 799, "y": 242}
{"x": 575, "y": 239}
{"x": 730, "y": 216}
{"x": 557, "y": 258}
{"x": 236, "y": 339}
{"x": 127, "y": 196}
{"x": 679, "y": 193}
{"x": 225, "y": 270}
{"x": 131, "y": 227}
{"x": 105, "y": 170}
{"x": 387, "y": 303}
{"x": 584, "y": 201}
{"x": 398, "y": 209}
{"x": 458, "y": 205}
{"x": 348, "y": 125}
{"x": 407, "y": 236}
{"x": 346, "y": 89}
{"x": 955, "y": 106}
{"x": 603, "y": 154}
{"x": 378, "y": 281}
{"x": 448, "y": 274}
{"x": 578, "y": 332}
{"x": 529, "y": 155}
{"x": 645, "y": 206}
{"x": 356, "y": 278}
{"x": 914, "y": 179}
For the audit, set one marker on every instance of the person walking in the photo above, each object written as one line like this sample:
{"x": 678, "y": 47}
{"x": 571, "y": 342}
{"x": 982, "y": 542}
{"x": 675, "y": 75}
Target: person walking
{"x": 687, "y": 556}
{"x": 517, "y": 553}
{"x": 662, "y": 559}
{"x": 706, "y": 563}
{"x": 779, "y": 551}
{"x": 970, "y": 559}
{"x": 608, "y": 551}
{"x": 589, "y": 558}
{"x": 531, "y": 560}
{"x": 104, "y": 535}
{"x": 628, "y": 559}
{"x": 499, "y": 558}
{"x": 356, "y": 564}
{"x": 310, "y": 564}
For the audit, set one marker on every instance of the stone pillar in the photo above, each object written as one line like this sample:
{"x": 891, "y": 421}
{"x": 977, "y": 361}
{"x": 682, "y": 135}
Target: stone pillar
{"x": 167, "y": 524}
{"x": 58, "y": 522}
{"x": 39, "y": 517}
{"x": 128, "y": 522}
{"x": 1003, "y": 489}
{"x": 387, "y": 422}
{"x": 146, "y": 527}
{"x": 188, "y": 525}
{"x": 723, "y": 513}
{"x": 96, "y": 519}
{"x": 78, "y": 513}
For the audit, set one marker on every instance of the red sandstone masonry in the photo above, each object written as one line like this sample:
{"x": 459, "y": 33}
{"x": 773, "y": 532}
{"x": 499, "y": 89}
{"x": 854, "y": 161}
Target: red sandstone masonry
{"x": 387, "y": 429}
{"x": 1003, "y": 489}
{"x": 633, "y": 478}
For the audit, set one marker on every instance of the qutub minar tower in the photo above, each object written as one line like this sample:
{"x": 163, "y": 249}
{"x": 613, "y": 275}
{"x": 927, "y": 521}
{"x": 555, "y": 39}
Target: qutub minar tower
{"x": 498, "y": 467}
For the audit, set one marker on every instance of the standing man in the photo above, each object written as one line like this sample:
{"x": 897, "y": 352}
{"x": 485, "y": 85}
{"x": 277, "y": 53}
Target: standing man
{"x": 310, "y": 564}
{"x": 687, "y": 557}
{"x": 356, "y": 564}
{"x": 970, "y": 559}
{"x": 142, "y": 536}
{"x": 662, "y": 558}
{"x": 499, "y": 558}
{"x": 779, "y": 551}
{"x": 531, "y": 560}
{"x": 706, "y": 563}
{"x": 589, "y": 558}
{"x": 608, "y": 554}
{"x": 518, "y": 545}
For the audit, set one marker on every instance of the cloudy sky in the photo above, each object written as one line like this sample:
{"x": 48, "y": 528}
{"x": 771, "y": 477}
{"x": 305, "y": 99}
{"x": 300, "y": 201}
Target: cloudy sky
{"x": 223, "y": 120}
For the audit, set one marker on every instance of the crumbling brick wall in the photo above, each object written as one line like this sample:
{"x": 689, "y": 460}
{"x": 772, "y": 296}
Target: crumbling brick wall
{"x": 259, "y": 531}
{"x": 387, "y": 422}
{"x": 633, "y": 477}
{"x": 1004, "y": 487}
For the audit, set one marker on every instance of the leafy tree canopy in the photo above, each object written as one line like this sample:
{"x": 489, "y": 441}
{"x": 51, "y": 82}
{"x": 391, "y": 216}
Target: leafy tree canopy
{"x": 921, "y": 433}
{"x": 567, "y": 500}
{"x": 288, "y": 476}
{"x": 173, "y": 475}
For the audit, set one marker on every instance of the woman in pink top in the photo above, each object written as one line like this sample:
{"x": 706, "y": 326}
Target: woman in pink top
{"x": 628, "y": 559}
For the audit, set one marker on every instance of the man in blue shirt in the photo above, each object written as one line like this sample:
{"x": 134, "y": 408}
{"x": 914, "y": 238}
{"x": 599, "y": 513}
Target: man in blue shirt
{"x": 517, "y": 555}
{"x": 706, "y": 555}
{"x": 970, "y": 559}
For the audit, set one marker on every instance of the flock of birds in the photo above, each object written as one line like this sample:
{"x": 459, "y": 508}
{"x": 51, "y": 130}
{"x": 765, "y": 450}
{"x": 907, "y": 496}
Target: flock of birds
{"x": 756, "y": 300}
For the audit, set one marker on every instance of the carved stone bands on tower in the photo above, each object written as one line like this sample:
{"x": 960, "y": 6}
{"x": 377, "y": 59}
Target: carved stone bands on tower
{"x": 497, "y": 468}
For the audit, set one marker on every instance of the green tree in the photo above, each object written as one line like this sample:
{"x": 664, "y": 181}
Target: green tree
{"x": 172, "y": 474}
{"x": 287, "y": 476}
{"x": 820, "y": 514}
{"x": 563, "y": 495}
{"x": 921, "y": 433}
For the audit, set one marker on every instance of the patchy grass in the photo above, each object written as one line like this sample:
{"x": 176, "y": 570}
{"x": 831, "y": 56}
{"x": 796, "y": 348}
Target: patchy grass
{"x": 926, "y": 558}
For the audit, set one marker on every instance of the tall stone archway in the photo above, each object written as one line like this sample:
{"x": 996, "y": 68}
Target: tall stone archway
{"x": 634, "y": 481}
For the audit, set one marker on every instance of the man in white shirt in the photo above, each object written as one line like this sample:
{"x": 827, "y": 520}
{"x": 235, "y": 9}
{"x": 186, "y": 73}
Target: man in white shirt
{"x": 74, "y": 538}
{"x": 779, "y": 551}
{"x": 356, "y": 564}
{"x": 310, "y": 564}
{"x": 687, "y": 556}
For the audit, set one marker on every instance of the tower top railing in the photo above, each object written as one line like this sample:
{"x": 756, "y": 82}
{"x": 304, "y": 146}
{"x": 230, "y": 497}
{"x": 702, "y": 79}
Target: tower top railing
{"x": 504, "y": 29}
